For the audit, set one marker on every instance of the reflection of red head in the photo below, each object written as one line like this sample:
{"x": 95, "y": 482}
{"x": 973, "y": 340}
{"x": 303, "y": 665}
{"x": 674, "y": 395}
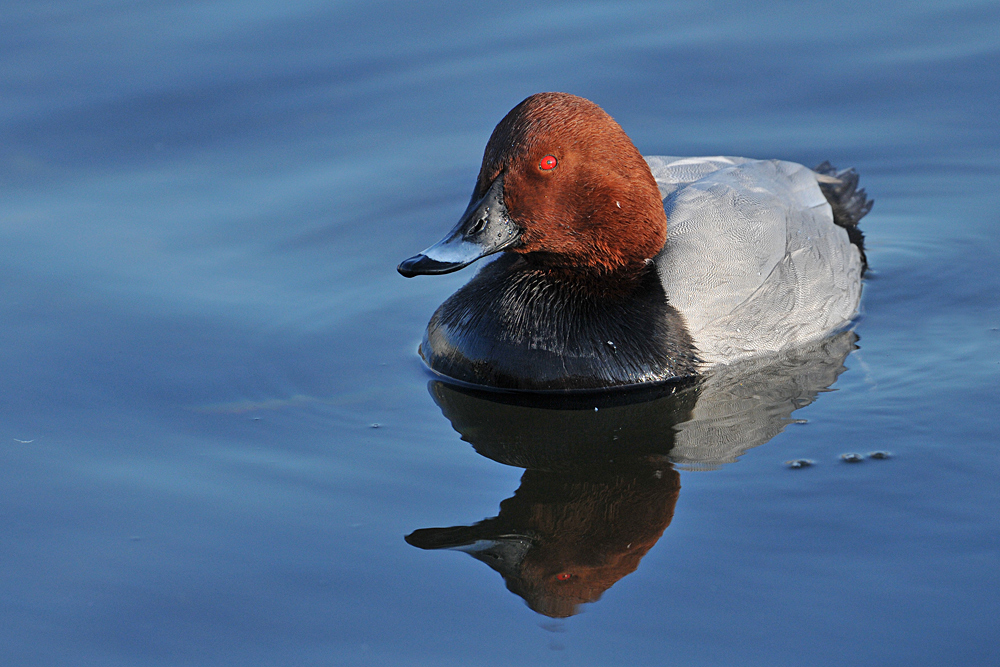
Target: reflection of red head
{"x": 588, "y": 533}
{"x": 565, "y": 538}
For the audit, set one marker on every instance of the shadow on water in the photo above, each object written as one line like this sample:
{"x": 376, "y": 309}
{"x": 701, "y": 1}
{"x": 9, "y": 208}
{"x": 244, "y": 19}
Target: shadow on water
{"x": 600, "y": 481}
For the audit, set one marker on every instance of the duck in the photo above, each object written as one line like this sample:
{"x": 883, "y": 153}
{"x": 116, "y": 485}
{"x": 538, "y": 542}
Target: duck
{"x": 609, "y": 269}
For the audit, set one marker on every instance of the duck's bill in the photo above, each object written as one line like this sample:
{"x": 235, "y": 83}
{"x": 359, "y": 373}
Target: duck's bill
{"x": 503, "y": 552}
{"x": 485, "y": 228}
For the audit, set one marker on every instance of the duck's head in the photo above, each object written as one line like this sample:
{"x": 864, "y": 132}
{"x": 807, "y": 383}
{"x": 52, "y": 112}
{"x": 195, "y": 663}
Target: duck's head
{"x": 561, "y": 184}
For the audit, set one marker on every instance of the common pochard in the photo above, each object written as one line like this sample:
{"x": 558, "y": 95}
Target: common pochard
{"x": 620, "y": 270}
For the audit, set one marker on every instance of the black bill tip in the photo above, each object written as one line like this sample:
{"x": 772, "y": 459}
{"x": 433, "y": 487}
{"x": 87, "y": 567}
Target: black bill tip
{"x": 422, "y": 265}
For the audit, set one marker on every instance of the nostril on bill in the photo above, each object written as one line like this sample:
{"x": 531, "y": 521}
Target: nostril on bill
{"x": 478, "y": 227}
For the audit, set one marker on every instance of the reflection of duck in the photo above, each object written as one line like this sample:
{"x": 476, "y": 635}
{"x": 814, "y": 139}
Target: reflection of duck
{"x": 600, "y": 488}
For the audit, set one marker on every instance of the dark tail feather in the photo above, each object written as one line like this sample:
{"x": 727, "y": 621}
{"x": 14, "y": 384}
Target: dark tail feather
{"x": 849, "y": 203}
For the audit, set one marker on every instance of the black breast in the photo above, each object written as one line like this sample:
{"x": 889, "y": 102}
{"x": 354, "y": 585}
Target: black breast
{"x": 518, "y": 327}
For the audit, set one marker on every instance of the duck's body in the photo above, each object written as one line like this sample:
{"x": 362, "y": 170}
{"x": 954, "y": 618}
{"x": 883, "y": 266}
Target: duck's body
{"x": 597, "y": 290}
{"x": 754, "y": 260}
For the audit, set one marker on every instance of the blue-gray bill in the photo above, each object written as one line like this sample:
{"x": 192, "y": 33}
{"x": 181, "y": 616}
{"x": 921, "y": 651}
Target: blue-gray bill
{"x": 484, "y": 229}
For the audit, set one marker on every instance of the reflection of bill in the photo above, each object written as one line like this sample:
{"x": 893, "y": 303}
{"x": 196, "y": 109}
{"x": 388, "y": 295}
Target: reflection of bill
{"x": 599, "y": 486}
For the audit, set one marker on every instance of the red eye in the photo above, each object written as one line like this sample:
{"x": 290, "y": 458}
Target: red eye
{"x": 563, "y": 576}
{"x": 548, "y": 162}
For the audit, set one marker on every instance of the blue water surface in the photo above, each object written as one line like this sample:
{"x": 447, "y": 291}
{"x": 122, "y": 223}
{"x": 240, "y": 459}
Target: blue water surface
{"x": 215, "y": 432}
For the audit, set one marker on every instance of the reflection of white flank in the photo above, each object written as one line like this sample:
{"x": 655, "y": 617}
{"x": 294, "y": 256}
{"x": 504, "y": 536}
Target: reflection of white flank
{"x": 453, "y": 252}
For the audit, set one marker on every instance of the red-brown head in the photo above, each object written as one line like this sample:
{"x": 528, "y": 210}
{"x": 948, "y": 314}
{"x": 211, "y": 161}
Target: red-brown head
{"x": 562, "y": 183}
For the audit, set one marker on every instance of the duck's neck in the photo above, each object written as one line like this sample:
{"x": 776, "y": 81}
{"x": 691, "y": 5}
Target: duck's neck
{"x": 519, "y": 325}
{"x": 586, "y": 282}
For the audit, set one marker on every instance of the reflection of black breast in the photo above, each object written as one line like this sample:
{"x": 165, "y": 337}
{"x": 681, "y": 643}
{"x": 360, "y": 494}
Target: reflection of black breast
{"x": 566, "y": 431}
{"x": 516, "y": 327}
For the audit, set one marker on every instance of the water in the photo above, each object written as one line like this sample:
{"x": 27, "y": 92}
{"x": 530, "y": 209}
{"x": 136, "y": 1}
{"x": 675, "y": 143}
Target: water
{"x": 215, "y": 433}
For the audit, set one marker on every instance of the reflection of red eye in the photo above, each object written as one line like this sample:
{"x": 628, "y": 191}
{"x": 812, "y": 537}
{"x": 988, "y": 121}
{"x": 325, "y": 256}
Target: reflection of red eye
{"x": 563, "y": 576}
{"x": 548, "y": 162}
